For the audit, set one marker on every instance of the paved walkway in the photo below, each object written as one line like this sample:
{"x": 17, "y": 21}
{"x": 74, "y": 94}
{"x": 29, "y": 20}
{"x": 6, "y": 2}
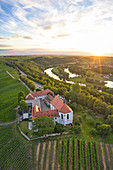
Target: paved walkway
{"x": 10, "y": 74}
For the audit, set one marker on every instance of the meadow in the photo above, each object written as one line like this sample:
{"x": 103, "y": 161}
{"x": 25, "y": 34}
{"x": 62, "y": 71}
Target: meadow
{"x": 9, "y": 89}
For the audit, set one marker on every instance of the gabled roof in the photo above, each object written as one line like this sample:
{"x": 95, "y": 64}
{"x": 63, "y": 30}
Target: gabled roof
{"x": 37, "y": 113}
{"x": 65, "y": 109}
{"x": 57, "y": 102}
{"x": 39, "y": 93}
{"x": 29, "y": 97}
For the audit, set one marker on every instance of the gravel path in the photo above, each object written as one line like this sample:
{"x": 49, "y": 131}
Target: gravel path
{"x": 10, "y": 74}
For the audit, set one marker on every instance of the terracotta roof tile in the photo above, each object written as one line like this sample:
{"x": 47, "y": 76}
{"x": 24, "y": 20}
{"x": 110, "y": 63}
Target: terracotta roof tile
{"x": 37, "y": 113}
{"x": 29, "y": 97}
{"x": 57, "y": 103}
{"x": 39, "y": 93}
{"x": 65, "y": 109}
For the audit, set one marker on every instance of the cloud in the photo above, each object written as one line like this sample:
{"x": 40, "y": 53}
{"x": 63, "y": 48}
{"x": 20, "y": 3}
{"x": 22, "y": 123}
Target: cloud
{"x": 28, "y": 37}
{"x": 16, "y": 36}
{"x": 61, "y": 35}
{"x": 48, "y": 27}
{"x": 4, "y": 45}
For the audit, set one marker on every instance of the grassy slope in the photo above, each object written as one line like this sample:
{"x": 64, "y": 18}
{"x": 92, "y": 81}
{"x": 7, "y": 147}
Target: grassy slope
{"x": 15, "y": 152}
{"x": 9, "y": 89}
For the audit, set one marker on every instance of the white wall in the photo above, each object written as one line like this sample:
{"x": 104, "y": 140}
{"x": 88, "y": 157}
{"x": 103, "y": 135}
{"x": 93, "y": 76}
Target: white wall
{"x": 52, "y": 107}
{"x": 65, "y": 121}
{"x": 41, "y": 97}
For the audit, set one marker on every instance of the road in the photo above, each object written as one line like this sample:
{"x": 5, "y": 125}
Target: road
{"x": 36, "y": 84}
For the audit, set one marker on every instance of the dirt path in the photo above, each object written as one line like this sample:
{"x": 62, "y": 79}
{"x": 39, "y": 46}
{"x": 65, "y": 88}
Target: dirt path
{"x": 103, "y": 157}
{"x": 106, "y": 145}
{"x": 37, "y": 155}
{"x": 43, "y": 153}
{"x": 54, "y": 156}
{"x": 47, "y": 160}
{"x": 10, "y": 74}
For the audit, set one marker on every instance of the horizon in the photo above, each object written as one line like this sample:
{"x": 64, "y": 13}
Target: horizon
{"x": 73, "y": 27}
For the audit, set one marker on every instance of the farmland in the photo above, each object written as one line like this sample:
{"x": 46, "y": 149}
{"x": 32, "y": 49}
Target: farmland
{"x": 70, "y": 154}
{"x": 9, "y": 89}
{"x": 15, "y": 152}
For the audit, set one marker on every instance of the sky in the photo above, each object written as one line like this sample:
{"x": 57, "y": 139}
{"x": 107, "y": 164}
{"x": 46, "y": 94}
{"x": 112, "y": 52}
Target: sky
{"x": 69, "y": 27}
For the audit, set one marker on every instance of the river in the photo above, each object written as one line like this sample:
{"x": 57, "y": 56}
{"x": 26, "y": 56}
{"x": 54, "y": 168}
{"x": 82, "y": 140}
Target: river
{"x": 71, "y": 75}
{"x": 109, "y": 84}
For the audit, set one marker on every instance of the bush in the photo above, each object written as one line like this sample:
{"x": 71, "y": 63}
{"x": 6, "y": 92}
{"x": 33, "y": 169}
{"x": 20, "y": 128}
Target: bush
{"x": 59, "y": 128}
{"x": 98, "y": 123}
{"x": 77, "y": 129}
{"x": 38, "y": 89}
{"x": 104, "y": 130}
{"x": 93, "y": 132}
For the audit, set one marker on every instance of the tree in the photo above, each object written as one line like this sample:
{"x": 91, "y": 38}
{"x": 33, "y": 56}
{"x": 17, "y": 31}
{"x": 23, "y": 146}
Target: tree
{"x": 104, "y": 130}
{"x": 100, "y": 107}
{"x": 21, "y": 96}
{"x": 23, "y": 105}
{"x": 44, "y": 125}
{"x": 59, "y": 128}
{"x": 110, "y": 120}
{"x": 109, "y": 109}
{"x": 74, "y": 92}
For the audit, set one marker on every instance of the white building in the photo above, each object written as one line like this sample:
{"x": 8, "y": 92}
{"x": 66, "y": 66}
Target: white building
{"x": 59, "y": 111}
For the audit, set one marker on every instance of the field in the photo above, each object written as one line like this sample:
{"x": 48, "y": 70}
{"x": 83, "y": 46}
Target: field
{"x": 70, "y": 154}
{"x": 15, "y": 152}
{"x": 9, "y": 89}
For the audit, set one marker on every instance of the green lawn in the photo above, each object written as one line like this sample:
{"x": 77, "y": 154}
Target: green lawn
{"x": 9, "y": 89}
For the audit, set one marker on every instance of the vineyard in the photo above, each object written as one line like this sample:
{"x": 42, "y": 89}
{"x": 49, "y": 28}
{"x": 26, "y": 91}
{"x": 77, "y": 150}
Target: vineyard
{"x": 14, "y": 152}
{"x": 71, "y": 154}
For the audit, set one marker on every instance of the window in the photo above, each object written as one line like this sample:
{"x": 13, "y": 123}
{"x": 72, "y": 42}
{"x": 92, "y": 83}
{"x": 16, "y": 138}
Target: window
{"x": 61, "y": 116}
{"x": 55, "y": 117}
{"x": 67, "y": 116}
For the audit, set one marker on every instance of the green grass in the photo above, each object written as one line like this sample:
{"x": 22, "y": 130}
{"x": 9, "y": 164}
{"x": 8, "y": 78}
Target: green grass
{"x": 14, "y": 151}
{"x": 9, "y": 89}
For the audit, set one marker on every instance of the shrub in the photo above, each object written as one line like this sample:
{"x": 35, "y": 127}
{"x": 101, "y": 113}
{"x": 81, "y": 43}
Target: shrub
{"x": 93, "y": 132}
{"x": 77, "y": 129}
{"x": 104, "y": 130}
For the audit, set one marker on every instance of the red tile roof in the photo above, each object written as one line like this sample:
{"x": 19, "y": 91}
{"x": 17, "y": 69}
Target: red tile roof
{"x": 65, "y": 109}
{"x": 57, "y": 102}
{"x": 36, "y": 112}
{"x": 29, "y": 97}
{"x": 39, "y": 93}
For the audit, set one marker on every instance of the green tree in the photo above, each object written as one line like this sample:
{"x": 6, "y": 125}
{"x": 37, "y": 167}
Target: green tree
{"x": 21, "y": 96}
{"x": 109, "y": 109}
{"x": 104, "y": 130}
{"x": 74, "y": 92}
{"x": 44, "y": 125}
{"x": 99, "y": 106}
{"x": 59, "y": 128}
{"x": 110, "y": 120}
{"x": 23, "y": 105}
